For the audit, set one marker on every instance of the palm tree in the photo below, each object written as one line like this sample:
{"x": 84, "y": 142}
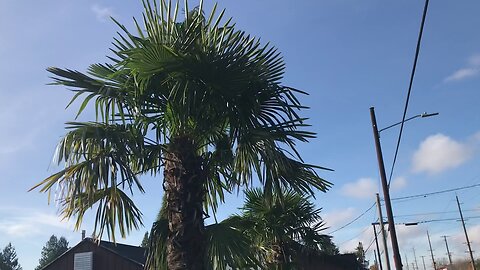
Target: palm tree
{"x": 226, "y": 246}
{"x": 196, "y": 99}
{"x": 282, "y": 227}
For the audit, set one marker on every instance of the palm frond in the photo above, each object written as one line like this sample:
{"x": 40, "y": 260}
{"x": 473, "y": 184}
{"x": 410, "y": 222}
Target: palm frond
{"x": 101, "y": 161}
{"x": 226, "y": 247}
{"x": 288, "y": 222}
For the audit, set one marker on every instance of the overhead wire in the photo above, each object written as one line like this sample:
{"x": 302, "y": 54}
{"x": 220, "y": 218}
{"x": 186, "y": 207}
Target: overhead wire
{"x": 411, "y": 223}
{"x": 435, "y": 192}
{"x": 423, "y": 195}
{"x": 436, "y": 213}
{"x": 370, "y": 245}
{"x": 412, "y": 75}
{"x": 440, "y": 219}
{"x": 355, "y": 219}
{"x": 357, "y": 235}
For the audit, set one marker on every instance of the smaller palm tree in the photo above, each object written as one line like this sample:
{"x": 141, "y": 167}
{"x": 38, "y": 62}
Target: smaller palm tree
{"x": 281, "y": 226}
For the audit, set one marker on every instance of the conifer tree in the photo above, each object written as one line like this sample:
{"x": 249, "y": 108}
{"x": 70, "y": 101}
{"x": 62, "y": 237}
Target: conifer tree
{"x": 52, "y": 250}
{"x": 9, "y": 259}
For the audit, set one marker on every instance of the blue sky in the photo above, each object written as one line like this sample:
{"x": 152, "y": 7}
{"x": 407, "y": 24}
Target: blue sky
{"x": 349, "y": 55}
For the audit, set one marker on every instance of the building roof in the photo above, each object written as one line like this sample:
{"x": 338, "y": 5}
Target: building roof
{"x": 133, "y": 253}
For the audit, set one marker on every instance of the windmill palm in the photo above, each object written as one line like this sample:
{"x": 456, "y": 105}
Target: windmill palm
{"x": 281, "y": 227}
{"x": 226, "y": 246}
{"x": 194, "y": 98}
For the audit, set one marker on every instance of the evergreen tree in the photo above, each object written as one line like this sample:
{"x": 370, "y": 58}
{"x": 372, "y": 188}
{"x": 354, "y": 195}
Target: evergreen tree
{"x": 360, "y": 252}
{"x": 52, "y": 250}
{"x": 8, "y": 259}
{"x": 145, "y": 240}
{"x": 328, "y": 247}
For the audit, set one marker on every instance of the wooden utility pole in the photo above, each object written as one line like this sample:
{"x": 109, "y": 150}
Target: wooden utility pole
{"x": 466, "y": 235}
{"x": 378, "y": 248}
{"x": 397, "y": 259}
{"x": 384, "y": 236}
{"x": 415, "y": 258}
{"x": 448, "y": 251}
{"x": 376, "y": 262}
{"x": 423, "y": 260}
{"x": 431, "y": 252}
{"x": 406, "y": 261}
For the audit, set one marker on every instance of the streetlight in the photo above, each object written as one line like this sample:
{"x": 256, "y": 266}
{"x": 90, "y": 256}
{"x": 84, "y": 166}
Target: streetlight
{"x": 422, "y": 115}
{"x": 386, "y": 193}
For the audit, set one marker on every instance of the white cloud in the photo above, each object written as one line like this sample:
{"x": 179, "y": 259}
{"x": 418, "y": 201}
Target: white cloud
{"x": 476, "y": 137}
{"x": 399, "y": 183}
{"x": 474, "y": 60}
{"x": 102, "y": 13}
{"x": 363, "y": 188}
{"x": 462, "y": 74}
{"x": 469, "y": 71}
{"x": 29, "y": 223}
{"x": 366, "y": 236}
{"x": 408, "y": 235}
{"x": 338, "y": 217}
{"x": 438, "y": 153}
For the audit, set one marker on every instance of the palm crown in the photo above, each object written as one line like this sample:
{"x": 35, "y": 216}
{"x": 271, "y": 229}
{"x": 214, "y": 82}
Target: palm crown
{"x": 195, "y": 97}
{"x": 281, "y": 227}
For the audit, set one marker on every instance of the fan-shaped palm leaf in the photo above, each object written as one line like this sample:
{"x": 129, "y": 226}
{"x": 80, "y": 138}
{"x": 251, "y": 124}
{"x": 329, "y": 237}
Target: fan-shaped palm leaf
{"x": 195, "y": 97}
{"x": 281, "y": 226}
{"x": 227, "y": 247}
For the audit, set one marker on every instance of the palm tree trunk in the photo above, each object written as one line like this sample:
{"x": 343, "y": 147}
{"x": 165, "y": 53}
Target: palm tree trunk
{"x": 184, "y": 179}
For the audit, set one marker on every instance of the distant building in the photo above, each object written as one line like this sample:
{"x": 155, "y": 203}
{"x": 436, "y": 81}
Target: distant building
{"x": 92, "y": 255}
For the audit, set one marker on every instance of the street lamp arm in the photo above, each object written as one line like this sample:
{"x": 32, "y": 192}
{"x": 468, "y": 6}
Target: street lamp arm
{"x": 422, "y": 115}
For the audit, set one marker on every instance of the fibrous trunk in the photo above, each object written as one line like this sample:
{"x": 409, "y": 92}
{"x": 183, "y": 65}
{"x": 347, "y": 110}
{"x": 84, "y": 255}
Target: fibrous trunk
{"x": 277, "y": 259}
{"x": 184, "y": 178}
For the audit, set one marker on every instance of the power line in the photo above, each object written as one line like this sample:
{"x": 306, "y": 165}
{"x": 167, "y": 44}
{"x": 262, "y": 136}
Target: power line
{"x": 371, "y": 243}
{"x": 436, "y": 213}
{"x": 435, "y": 192}
{"x": 355, "y": 219}
{"x": 434, "y": 220}
{"x": 363, "y": 231}
{"x": 405, "y": 198}
{"x": 412, "y": 75}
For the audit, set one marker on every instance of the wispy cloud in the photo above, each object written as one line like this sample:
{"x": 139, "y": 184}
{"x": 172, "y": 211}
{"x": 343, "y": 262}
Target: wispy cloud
{"x": 472, "y": 69}
{"x": 363, "y": 188}
{"x": 462, "y": 74}
{"x": 474, "y": 60}
{"x": 399, "y": 183}
{"x": 438, "y": 153}
{"x": 102, "y": 13}
{"x": 338, "y": 217}
{"x": 365, "y": 237}
{"x": 30, "y": 223}
{"x": 19, "y": 137}
{"x": 409, "y": 234}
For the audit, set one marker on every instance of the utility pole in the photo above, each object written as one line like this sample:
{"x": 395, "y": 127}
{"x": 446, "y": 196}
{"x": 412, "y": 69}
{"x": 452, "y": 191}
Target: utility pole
{"x": 386, "y": 193}
{"x": 431, "y": 252}
{"x": 376, "y": 262}
{"x": 415, "y": 257}
{"x": 423, "y": 260}
{"x": 466, "y": 235}
{"x": 448, "y": 251}
{"x": 384, "y": 236}
{"x": 378, "y": 248}
{"x": 406, "y": 261}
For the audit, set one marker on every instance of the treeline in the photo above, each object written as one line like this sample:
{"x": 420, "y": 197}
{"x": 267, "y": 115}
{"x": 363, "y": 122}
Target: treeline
{"x": 53, "y": 248}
